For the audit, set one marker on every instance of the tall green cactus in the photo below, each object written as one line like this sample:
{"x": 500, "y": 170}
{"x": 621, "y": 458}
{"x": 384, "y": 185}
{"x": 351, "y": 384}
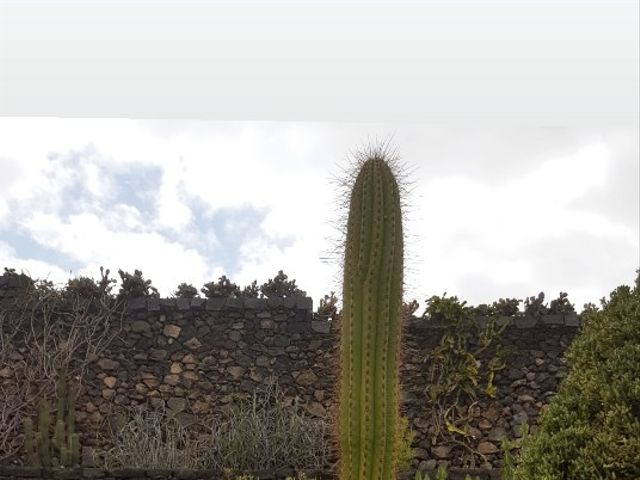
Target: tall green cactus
{"x": 371, "y": 326}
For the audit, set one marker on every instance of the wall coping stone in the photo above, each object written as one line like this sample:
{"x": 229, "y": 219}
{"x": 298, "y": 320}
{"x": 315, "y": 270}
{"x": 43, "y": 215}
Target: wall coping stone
{"x": 519, "y": 321}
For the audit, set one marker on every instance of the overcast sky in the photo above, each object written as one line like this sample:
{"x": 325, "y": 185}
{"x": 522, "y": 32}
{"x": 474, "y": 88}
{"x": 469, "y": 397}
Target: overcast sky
{"x": 492, "y": 212}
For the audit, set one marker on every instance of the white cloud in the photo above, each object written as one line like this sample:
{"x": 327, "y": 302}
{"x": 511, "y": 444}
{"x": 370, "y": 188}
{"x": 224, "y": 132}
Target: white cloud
{"x": 87, "y": 240}
{"x": 484, "y": 200}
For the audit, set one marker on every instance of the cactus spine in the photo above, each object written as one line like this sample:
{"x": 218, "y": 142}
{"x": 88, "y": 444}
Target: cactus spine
{"x": 61, "y": 449}
{"x": 371, "y": 326}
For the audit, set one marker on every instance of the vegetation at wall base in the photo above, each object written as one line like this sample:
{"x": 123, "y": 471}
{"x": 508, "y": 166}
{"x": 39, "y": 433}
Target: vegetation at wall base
{"x": 591, "y": 428}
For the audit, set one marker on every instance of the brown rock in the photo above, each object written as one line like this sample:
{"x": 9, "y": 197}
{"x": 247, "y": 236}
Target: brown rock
{"x": 175, "y": 368}
{"x": 306, "y": 378}
{"x": 5, "y": 372}
{"x": 485, "y": 424}
{"x": 151, "y": 382}
{"x": 171, "y": 379}
{"x": 108, "y": 393}
{"x": 316, "y": 409}
{"x": 110, "y": 382}
{"x": 177, "y": 404}
{"x": 140, "y": 326}
{"x": 172, "y": 331}
{"x": 193, "y": 343}
{"x": 200, "y": 407}
{"x": 487, "y": 448}
{"x": 141, "y": 388}
{"x": 441, "y": 451}
{"x": 190, "y": 375}
{"x": 189, "y": 359}
{"x": 235, "y": 371}
{"x": 108, "y": 364}
{"x": 95, "y": 417}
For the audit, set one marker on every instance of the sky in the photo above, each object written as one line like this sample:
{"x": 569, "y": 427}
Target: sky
{"x": 491, "y": 212}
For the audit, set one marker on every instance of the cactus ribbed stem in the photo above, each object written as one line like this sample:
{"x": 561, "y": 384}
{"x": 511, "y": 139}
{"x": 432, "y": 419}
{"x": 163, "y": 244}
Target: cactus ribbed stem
{"x": 371, "y": 326}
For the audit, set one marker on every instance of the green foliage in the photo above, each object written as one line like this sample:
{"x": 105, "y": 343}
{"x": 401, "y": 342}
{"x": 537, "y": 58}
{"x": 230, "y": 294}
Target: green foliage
{"x": 280, "y": 286}
{"x": 456, "y": 375}
{"x": 251, "y": 291}
{"x": 186, "y": 290}
{"x": 63, "y": 447}
{"x": 328, "y": 307}
{"x": 591, "y": 428}
{"x": 534, "y": 306}
{"x": 506, "y": 306}
{"x": 134, "y": 286}
{"x": 223, "y": 288}
{"x": 404, "y": 441}
{"x": 371, "y": 325}
{"x": 561, "y": 305}
{"x": 88, "y": 288}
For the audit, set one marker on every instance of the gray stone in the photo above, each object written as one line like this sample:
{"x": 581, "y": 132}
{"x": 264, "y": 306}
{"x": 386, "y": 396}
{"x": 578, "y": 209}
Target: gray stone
{"x": 177, "y": 404}
{"x": 321, "y": 327}
{"x": 572, "y": 320}
{"x": 108, "y": 364}
{"x": 157, "y": 354}
{"x": 183, "y": 304}
{"x": 215, "y": 304}
{"x": 304, "y": 303}
{"x": 197, "y": 303}
{"x": 552, "y": 319}
{"x": 140, "y": 326}
{"x": 275, "y": 301}
{"x": 153, "y": 304}
{"x": 255, "y": 303}
{"x": 137, "y": 303}
{"x": 526, "y": 322}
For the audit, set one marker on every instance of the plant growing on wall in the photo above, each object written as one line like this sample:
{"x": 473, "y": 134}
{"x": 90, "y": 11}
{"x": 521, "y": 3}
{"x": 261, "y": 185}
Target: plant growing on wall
{"x": 135, "y": 285}
{"x": 534, "y": 306}
{"x": 457, "y": 376}
{"x": 280, "y": 286}
{"x": 186, "y": 290}
{"x": 368, "y": 417}
{"x": 561, "y": 305}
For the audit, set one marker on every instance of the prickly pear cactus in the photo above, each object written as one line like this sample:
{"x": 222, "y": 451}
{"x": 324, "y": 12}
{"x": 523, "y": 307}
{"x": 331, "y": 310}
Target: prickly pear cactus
{"x": 371, "y": 326}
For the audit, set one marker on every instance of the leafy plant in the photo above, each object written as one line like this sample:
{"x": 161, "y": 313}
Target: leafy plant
{"x": 328, "y": 307}
{"x": 135, "y": 285}
{"x": 561, "y": 305}
{"x": 223, "y": 288}
{"x": 186, "y": 290}
{"x": 280, "y": 286}
{"x": 534, "y": 306}
{"x": 457, "y": 376}
{"x": 591, "y": 428}
{"x": 506, "y": 306}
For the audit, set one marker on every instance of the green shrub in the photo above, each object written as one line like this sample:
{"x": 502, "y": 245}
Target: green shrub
{"x": 591, "y": 429}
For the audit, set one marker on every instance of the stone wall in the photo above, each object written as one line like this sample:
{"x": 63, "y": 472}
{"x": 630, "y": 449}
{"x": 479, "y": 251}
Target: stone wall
{"x": 192, "y": 356}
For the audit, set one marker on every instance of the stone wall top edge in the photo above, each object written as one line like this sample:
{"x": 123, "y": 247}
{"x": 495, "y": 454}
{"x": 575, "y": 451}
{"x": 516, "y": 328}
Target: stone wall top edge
{"x": 214, "y": 304}
{"x": 516, "y": 321}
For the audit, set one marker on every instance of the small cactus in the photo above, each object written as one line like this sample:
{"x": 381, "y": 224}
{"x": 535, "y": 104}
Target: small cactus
{"x": 61, "y": 449}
